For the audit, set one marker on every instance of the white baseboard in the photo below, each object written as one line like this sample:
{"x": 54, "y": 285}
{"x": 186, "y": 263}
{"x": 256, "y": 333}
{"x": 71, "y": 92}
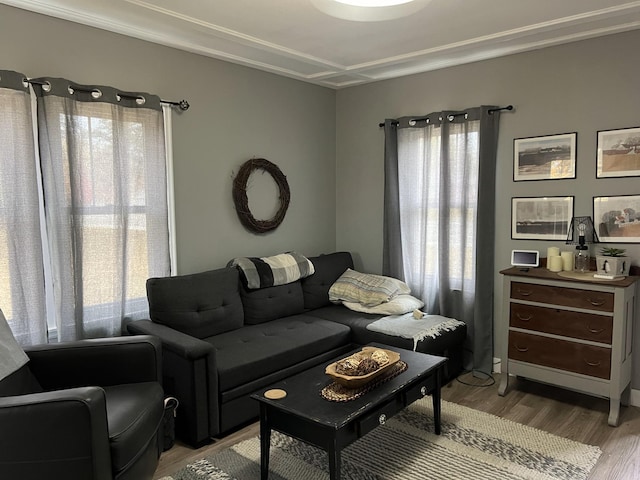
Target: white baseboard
{"x": 634, "y": 399}
{"x": 497, "y": 365}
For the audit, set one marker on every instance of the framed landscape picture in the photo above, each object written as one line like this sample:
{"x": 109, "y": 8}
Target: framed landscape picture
{"x": 617, "y": 219}
{"x": 541, "y": 218}
{"x": 618, "y": 153}
{"x": 544, "y": 158}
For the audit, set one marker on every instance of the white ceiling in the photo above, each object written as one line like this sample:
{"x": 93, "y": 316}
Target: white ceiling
{"x": 295, "y": 39}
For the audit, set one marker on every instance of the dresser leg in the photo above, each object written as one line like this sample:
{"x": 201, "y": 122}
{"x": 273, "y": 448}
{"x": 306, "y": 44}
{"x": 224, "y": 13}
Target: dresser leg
{"x": 504, "y": 383}
{"x": 614, "y": 411}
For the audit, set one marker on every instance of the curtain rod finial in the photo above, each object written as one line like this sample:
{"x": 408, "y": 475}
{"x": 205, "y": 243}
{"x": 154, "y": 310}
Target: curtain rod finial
{"x": 184, "y": 105}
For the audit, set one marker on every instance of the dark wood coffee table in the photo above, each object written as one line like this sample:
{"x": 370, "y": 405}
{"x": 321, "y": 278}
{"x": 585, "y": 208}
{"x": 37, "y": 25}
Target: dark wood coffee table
{"x": 304, "y": 414}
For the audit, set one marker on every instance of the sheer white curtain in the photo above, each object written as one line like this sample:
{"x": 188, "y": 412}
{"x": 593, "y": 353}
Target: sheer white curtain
{"x": 437, "y": 211}
{"x": 104, "y": 175}
{"x": 21, "y": 264}
{"x": 439, "y": 216}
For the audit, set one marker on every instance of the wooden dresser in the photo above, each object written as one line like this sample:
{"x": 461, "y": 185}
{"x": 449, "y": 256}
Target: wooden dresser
{"x": 572, "y": 332}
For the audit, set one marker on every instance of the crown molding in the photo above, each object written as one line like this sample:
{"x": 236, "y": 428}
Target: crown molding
{"x": 211, "y": 40}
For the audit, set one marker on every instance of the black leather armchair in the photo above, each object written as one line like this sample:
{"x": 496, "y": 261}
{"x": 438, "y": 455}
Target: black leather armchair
{"x": 96, "y": 414}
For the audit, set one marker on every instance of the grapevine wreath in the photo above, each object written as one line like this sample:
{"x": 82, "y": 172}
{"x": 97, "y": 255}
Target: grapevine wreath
{"x": 242, "y": 203}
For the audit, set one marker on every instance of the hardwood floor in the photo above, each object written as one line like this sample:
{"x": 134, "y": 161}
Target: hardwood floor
{"x": 568, "y": 414}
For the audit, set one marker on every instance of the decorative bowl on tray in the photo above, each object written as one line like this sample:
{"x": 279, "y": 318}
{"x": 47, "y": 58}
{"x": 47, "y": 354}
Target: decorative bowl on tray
{"x": 362, "y": 367}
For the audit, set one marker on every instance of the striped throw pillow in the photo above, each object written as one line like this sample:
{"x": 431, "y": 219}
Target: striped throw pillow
{"x": 365, "y": 288}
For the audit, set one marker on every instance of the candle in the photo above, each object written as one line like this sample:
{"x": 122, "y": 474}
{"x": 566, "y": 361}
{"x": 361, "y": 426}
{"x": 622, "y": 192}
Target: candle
{"x": 555, "y": 263}
{"x": 567, "y": 261}
{"x": 552, "y": 252}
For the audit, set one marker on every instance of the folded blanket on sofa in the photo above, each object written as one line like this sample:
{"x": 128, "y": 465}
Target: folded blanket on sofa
{"x": 271, "y": 271}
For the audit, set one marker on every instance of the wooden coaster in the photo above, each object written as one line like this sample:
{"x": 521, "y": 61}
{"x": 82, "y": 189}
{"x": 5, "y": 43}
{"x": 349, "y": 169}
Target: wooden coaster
{"x": 275, "y": 394}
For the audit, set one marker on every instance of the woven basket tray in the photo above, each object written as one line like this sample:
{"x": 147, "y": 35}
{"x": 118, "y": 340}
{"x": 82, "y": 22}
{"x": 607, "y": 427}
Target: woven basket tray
{"x": 335, "y": 392}
{"x": 351, "y": 381}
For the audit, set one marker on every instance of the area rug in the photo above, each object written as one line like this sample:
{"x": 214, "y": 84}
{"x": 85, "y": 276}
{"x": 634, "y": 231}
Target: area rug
{"x": 473, "y": 445}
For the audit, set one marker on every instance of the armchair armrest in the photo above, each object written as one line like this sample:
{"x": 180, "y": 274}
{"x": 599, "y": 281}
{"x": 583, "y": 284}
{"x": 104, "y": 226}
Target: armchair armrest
{"x": 190, "y": 374}
{"x": 100, "y": 362}
{"x": 61, "y": 434}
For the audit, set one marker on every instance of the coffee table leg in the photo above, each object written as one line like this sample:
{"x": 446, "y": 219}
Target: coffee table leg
{"x": 334, "y": 463}
{"x": 436, "y": 401}
{"x": 265, "y": 442}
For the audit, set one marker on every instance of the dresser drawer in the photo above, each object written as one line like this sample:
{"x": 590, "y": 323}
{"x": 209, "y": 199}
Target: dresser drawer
{"x": 569, "y": 297}
{"x": 585, "y": 326}
{"x": 561, "y": 354}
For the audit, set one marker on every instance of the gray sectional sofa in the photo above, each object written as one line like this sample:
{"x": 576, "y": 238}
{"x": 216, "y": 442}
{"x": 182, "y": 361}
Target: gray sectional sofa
{"x": 222, "y": 342}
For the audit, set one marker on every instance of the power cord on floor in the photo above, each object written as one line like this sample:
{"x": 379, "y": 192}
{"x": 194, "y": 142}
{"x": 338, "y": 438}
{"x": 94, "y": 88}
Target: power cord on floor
{"x": 487, "y": 381}
{"x": 488, "y": 378}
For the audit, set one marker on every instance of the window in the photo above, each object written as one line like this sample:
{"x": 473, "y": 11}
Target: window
{"x": 103, "y": 191}
{"x": 438, "y": 216}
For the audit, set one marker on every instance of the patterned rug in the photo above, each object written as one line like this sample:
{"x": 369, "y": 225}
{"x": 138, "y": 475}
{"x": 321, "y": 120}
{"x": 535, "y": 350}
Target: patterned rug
{"x": 473, "y": 445}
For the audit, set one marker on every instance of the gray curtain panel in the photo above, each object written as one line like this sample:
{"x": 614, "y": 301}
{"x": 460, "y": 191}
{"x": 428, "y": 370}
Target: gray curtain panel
{"x": 392, "y": 264}
{"x": 104, "y": 179}
{"x": 439, "y": 217}
{"x": 22, "y": 295}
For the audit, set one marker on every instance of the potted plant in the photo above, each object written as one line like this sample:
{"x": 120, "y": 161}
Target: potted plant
{"x": 612, "y": 261}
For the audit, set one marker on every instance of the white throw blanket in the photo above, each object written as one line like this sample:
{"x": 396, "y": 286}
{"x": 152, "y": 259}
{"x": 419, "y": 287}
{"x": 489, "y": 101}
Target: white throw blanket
{"x": 407, "y": 326}
{"x": 12, "y": 357}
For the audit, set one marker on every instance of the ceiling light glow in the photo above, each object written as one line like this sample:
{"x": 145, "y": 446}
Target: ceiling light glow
{"x": 369, "y": 10}
{"x": 373, "y": 3}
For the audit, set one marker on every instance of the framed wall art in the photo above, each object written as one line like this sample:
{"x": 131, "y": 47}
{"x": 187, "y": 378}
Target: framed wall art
{"x": 618, "y": 153}
{"x": 617, "y": 219}
{"x": 541, "y": 218}
{"x": 544, "y": 158}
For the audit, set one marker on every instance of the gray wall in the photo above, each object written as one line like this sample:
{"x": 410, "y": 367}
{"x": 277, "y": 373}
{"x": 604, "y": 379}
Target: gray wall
{"x": 580, "y": 87}
{"x": 328, "y": 143}
{"x": 236, "y": 113}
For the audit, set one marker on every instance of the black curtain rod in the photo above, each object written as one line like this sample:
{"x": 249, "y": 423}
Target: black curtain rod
{"x": 182, "y": 104}
{"x": 508, "y": 107}
{"x": 395, "y": 122}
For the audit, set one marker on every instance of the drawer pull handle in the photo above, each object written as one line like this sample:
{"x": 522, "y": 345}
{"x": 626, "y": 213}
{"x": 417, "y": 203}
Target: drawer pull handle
{"x": 596, "y": 303}
{"x": 522, "y": 349}
{"x": 423, "y": 391}
{"x": 592, "y": 364}
{"x": 382, "y": 419}
{"x": 595, "y": 330}
{"x": 525, "y": 293}
{"x": 524, "y": 318}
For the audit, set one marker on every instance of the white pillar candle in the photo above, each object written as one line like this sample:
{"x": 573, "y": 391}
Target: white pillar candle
{"x": 567, "y": 261}
{"x": 552, "y": 252}
{"x": 555, "y": 263}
